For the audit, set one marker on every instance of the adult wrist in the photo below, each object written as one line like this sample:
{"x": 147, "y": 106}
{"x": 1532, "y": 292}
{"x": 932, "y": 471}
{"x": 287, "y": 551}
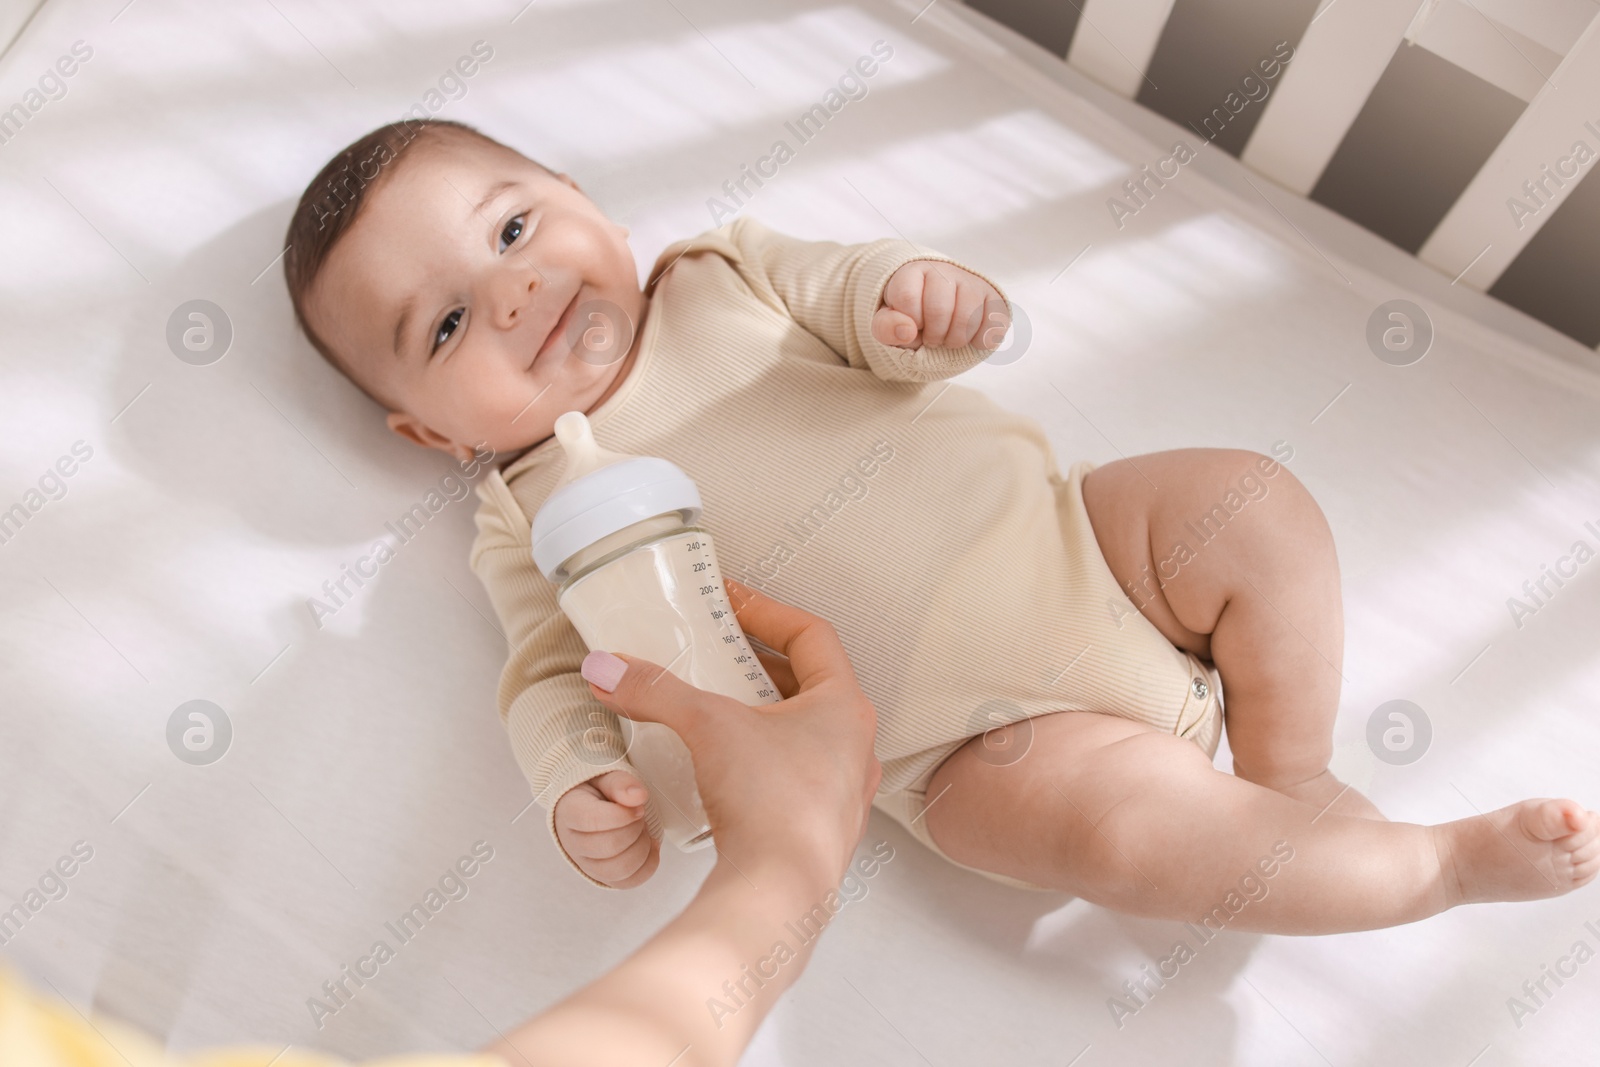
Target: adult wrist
{"x": 806, "y": 869}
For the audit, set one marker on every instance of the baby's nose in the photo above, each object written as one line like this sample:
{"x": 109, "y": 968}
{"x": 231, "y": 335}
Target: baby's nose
{"x": 521, "y": 297}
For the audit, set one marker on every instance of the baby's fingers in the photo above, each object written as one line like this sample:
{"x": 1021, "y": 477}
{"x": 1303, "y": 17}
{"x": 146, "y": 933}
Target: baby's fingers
{"x": 584, "y": 810}
{"x": 939, "y": 291}
{"x": 629, "y": 868}
{"x": 584, "y": 845}
{"x": 966, "y": 323}
{"x": 895, "y": 328}
{"x": 623, "y": 788}
{"x": 996, "y": 322}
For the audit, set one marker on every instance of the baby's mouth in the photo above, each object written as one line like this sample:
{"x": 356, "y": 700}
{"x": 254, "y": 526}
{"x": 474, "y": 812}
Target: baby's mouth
{"x": 559, "y": 331}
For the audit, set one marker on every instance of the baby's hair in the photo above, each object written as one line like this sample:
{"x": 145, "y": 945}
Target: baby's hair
{"x": 332, "y": 202}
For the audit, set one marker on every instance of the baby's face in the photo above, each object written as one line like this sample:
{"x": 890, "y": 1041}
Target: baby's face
{"x": 482, "y": 296}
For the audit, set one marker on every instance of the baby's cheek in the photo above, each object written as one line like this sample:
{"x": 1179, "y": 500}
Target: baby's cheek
{"x": 503, "y": 406}
{"x": 507, "y": 410}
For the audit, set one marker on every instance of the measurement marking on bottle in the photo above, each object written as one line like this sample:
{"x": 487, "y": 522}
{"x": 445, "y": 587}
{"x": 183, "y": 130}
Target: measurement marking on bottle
{"x": 716, "y": 596}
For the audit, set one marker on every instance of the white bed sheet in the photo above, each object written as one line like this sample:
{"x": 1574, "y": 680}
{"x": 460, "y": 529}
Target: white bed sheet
{"x": 367, "y": 757}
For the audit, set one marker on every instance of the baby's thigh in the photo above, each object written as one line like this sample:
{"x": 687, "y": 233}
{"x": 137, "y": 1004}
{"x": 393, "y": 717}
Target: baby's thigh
{"x": 1038, "y": 816}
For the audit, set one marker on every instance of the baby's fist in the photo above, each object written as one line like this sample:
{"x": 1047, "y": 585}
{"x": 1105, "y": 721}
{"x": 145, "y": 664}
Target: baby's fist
{"x": 939, "y": 305}
{"x": 601, "y": 825}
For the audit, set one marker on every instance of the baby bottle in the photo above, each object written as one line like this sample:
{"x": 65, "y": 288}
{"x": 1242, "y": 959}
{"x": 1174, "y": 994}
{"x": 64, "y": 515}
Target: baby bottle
{"x": 619, "y": 535}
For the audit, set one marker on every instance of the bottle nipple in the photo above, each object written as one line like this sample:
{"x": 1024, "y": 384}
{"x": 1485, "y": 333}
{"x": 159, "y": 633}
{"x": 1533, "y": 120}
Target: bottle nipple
{"x": 602, "y": 492}
{"x": 584, "y": 455}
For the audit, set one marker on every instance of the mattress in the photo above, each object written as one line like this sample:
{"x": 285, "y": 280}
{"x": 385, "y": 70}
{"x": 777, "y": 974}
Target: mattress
{"x": 250, "y": 795}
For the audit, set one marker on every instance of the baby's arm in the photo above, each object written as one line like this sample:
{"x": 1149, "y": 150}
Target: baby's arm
{"x": 568, "y": 744}
{"x": 853, "y": 296}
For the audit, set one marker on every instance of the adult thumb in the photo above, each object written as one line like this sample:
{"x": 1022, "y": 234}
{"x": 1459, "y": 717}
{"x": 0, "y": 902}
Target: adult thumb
{"x": 644, "y": 691}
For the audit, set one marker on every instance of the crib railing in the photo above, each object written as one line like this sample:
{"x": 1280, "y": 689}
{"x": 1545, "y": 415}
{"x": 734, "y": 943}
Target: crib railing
{"x": 1463, "y": 131}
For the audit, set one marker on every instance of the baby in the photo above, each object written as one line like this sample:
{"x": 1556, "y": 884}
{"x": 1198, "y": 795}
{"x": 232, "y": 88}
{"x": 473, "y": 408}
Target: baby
{"x": 1046, "y": 651}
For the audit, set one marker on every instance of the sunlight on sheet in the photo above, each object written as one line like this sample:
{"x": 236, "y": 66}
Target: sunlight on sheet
{"x": 646, "y": 97}
{"x": 925, "y": 186}
{"x": 1148, "y": 291}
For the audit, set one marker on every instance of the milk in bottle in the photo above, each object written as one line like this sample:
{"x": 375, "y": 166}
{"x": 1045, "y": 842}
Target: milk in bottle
{"x": 636, "y": 573}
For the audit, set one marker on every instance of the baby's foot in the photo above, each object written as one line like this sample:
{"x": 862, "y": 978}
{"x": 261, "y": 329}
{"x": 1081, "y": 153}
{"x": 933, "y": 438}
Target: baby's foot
{"x": 1327, "y": 793}
{"x": 1528, "y": 851}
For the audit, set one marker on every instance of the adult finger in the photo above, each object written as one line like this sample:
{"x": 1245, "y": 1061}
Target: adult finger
{"x": 811, "y": 643}
{"x": 645, "y": 691}
{"x": 780, "y": 671}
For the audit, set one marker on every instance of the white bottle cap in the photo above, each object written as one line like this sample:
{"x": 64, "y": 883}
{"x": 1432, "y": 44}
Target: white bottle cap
{"x": 602, "y": 492}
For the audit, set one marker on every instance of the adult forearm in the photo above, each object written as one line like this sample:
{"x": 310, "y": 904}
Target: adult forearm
{"x": 694, "y": 993}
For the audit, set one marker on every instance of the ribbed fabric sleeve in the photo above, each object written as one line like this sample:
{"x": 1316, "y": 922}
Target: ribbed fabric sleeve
{"x": 560, "y": 735}
{"x": 833, "y": 291}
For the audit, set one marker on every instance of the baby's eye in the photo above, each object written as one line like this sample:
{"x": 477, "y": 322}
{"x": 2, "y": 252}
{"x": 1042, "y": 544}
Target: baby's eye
{"x": 446, "y": 328}
{"x": 512, "y": 231}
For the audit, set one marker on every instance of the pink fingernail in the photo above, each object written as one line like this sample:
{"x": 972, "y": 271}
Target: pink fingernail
{"x": 603, "y": 669}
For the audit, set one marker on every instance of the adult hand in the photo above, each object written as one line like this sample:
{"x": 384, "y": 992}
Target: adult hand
{"x": 788, "y": 782}
{"x": 787, "y": 788}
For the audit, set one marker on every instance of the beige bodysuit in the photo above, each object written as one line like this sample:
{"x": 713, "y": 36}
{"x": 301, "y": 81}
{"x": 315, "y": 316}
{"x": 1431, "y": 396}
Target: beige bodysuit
{"x": 930, "y": 526}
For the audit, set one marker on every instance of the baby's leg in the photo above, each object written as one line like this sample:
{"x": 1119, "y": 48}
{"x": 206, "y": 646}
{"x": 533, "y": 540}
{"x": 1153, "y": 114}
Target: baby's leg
{"x": 1254, "y": 588}
{"x": 1137, "y": 820}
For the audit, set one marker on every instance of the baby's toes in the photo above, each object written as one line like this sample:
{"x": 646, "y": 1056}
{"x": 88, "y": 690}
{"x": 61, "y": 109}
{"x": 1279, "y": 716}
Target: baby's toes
{"x": 1577, "y": 854}
{"x": 1584, "y": 842}
{"x": 1588, "y": 831}
{"x": 1585, "y": 864}
{"x": 1586, "y": 846}
{"x": 1591, "y": 827}
{"x": 1547, "y": 820}
{"x": 1583, "y": 873}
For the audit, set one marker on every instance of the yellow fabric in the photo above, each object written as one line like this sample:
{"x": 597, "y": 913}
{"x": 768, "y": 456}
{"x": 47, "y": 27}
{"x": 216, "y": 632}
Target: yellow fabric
{"x": 41, "y": 1031}
{"x": 928, "y": 524}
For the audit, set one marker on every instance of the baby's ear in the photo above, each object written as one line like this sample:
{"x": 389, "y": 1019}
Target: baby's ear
{"x": 414, "y": 430}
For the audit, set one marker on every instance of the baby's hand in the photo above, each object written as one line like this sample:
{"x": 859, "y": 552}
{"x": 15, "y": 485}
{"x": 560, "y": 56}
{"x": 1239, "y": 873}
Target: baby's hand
{"x": 939, "y": 305}
{"x": 601, "y": 825}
